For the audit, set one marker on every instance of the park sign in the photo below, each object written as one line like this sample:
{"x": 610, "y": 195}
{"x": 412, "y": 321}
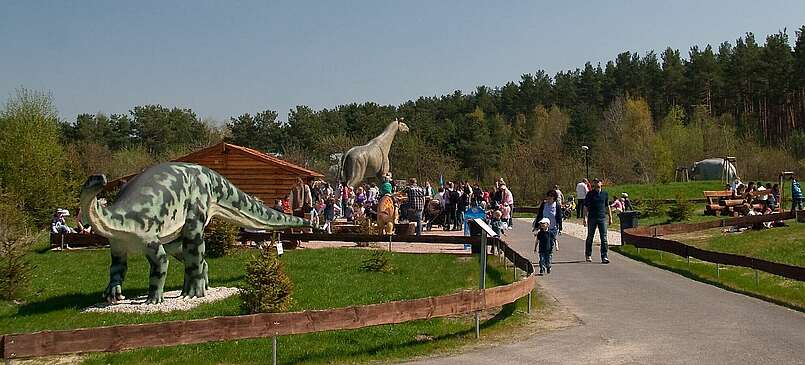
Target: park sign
{"x": 473, "y": 213}
{"x": 481, "y": 223}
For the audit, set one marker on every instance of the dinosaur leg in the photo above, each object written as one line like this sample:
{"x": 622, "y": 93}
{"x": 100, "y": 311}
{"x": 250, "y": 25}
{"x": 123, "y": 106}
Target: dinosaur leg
{"x": 195, "y": 267}
{"x": 117, "y": 273}
{"x": 175, "y": 249}
{"x": 158, "y": 260}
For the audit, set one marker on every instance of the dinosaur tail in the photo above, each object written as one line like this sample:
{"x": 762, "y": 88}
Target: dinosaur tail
{"x": 93, "y": 211}
{"x": 241, "y": 209}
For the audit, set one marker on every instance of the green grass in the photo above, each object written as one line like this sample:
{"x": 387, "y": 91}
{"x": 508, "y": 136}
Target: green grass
{"x": 785, "y": 245}
{"x": 326, "y": 278}
{"x": 782, "y": 244}
{"x": 688, "y": 190}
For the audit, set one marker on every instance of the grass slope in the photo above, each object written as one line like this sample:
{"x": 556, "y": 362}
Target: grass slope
{"x": 66, "y": 282}
{"x": 785, "y": 245}
{"x": 688, "y": 190}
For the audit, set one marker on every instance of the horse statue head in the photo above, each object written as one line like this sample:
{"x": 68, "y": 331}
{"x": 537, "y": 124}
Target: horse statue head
{"x": 401, "y": 127}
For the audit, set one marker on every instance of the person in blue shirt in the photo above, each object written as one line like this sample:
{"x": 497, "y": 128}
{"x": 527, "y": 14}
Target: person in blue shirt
{"x": 597, "y": 214}
{"x": 796, "y": 195}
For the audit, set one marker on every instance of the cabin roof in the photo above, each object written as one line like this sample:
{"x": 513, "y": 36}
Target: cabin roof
{"x": 257, "y": 155}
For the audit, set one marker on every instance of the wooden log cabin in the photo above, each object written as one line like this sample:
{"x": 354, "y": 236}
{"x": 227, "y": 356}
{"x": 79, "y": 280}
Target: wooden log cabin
{"x": 257, "y": 173}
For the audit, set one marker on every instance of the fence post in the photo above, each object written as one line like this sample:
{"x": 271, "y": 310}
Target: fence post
{"x": 274, "y": 350}
{"x": 482, "y": 282}
{"x": 718, "y": 271}
{"x": 529, "y": 300}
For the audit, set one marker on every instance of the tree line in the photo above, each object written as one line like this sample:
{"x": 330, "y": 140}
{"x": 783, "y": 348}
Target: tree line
{"x": 641, "y": 115}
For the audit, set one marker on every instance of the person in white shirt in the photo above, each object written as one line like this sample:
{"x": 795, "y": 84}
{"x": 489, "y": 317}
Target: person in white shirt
{"x": 581, "y": 192}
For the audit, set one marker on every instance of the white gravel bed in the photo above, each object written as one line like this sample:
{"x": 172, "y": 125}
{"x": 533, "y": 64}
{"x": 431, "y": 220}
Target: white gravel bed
{"x": 580, "y": 231}
{"x": 173, "y": 302}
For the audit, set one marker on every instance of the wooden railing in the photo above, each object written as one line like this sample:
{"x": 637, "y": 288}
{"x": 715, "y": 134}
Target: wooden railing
{"x": 649, "y": 237}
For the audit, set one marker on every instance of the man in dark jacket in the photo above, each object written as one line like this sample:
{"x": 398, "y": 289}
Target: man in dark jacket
{"x": 597, "y": 214}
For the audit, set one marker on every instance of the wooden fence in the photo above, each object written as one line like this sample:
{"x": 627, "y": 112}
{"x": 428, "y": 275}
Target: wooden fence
{"x": 172, "y": 333}
{"x": 649, "y": 237}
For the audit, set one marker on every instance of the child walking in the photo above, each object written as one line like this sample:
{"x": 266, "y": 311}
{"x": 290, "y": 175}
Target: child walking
{"x": 497, "y": 223}
{"x": 544, "y": 245}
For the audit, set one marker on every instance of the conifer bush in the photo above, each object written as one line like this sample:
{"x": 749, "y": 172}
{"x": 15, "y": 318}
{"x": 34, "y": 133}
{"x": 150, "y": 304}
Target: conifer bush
{"x": 268, "y": 288}
{"x": 378, "y": 261}
{"x": 220, "y": 238}
{"x": 681, "y": 210}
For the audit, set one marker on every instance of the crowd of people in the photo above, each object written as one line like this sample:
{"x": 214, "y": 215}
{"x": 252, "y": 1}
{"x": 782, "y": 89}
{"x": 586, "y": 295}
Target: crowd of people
{"x": 427, "y": 205}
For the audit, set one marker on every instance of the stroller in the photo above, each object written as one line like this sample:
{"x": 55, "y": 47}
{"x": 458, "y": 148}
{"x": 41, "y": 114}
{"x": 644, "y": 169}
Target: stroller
{"x": 434, "y": 213}
{"x": 568, "y": 207}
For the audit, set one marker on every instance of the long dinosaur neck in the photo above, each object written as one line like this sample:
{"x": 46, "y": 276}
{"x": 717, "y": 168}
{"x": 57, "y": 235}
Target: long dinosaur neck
{"x": 98, "y": 216}
{"x": 387, "y": 137}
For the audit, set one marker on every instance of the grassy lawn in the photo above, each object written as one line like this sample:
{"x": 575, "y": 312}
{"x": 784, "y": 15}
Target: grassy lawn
{"x": 784, "y": 244}
{"x": 688, "y": 190}
{"x": 325, "y": 278}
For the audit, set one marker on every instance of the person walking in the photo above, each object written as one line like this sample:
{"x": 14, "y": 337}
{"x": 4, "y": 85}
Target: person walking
{"x": 508, "y": 201}
{"x": 416, "y": 202}
{"x": 581, "y": 194}
{"x": 543, "y": 246}
{"x": 559, "y": 196}
{"x": 597, "y": 214}
{"x": 550, "y": 209}
{"x": 796, "y": 195}
{"x": 301, "y": 199}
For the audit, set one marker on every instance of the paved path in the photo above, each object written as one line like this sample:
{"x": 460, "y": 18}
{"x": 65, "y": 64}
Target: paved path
{"x": 633, "y": 313}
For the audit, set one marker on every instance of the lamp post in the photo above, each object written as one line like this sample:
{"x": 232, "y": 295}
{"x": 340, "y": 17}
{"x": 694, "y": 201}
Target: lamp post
{"x": 586, "y": 150}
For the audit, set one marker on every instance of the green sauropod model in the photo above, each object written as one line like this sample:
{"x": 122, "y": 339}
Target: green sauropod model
{"x": 163, "y": 211}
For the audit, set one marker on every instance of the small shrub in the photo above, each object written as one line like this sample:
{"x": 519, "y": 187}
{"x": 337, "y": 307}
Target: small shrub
{"x": 15, "y": 242}
{"x": 268, "y": 288}
{"x": 220, "y": 237}
{"x": 650, "y": 208}
{"x": 378, "y": 261}
{"x": 681, "y": 210}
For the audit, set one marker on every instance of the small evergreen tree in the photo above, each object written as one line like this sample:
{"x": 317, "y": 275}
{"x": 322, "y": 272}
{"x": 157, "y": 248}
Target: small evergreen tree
{"x": 220, "y": 238}
{"x": 268, "y": 288}
{"x": 378, "y": 261}
{"x": 681, "y": 210}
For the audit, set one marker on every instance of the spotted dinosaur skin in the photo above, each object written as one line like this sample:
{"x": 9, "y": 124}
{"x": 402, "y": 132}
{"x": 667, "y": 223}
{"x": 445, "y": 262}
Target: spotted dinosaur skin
{"x": 163, "y": 211}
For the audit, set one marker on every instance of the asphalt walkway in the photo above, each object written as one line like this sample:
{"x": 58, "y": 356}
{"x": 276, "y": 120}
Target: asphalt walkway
{"x": 633, "y": 313}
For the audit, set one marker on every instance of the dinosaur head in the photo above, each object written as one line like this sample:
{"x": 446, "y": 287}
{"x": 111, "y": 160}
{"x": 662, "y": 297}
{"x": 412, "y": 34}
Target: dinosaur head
{"x": 402, "y": 127}
{"x": 93, "y": 185}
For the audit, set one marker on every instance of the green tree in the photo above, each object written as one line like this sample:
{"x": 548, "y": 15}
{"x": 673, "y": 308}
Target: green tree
{"x": 33, "y": 168}
{"x": 160, "y": 129}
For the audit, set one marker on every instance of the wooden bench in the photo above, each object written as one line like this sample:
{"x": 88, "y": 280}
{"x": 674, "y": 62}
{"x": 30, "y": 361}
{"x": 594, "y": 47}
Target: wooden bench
{"x": 714, "y": 205}
{"x": 63, "y": 240}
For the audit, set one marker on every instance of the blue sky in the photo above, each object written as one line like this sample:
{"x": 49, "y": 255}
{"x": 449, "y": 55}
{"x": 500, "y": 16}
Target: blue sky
{"x": 222, "y": 59}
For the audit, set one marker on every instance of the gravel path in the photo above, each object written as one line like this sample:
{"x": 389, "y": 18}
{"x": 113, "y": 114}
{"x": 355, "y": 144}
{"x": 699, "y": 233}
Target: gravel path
{"x": 173, "y": 302}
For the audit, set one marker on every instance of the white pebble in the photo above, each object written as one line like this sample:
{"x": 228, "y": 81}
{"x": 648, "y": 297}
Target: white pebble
{"x": 173, "y": 302}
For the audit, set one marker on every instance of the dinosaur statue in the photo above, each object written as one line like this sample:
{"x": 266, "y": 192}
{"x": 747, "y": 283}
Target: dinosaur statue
{"x": 163, "y": 211}
{"x": 371, "y": 159}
